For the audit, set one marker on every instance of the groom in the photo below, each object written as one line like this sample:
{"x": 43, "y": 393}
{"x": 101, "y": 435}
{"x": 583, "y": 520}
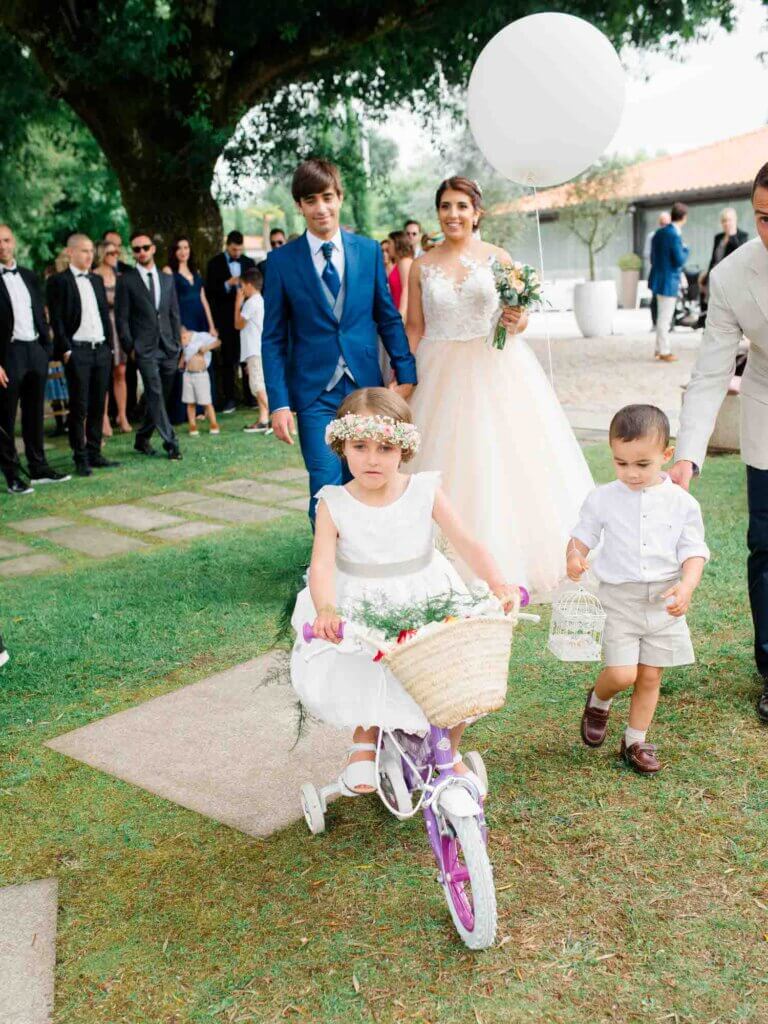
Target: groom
{"x": 738, "y": 304}
{"x": 326, "y": 306}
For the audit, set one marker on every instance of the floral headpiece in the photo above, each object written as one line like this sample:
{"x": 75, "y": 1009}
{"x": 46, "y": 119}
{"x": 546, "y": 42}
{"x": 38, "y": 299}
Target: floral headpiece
{"x": 355, "y": 427}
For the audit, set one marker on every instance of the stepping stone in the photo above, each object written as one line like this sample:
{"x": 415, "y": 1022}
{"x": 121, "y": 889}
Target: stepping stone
{"x": 26, "y": 565}
{"x": 173, "y": 499}
{"x": 133, "y": 517}
{"x": 300, "y": 504}
{"x": 232, "y": 511}
{"x": 187, "y": 531}
{"x": 287, "y": 475}
{"x": 225, "y": 747}
{"x": 94, "y": 541}
{"x": 252, "y": 490}
{"x": 28, "y": 951}
{"x": 12, "y": 547}
{"x": 40, "y": 525}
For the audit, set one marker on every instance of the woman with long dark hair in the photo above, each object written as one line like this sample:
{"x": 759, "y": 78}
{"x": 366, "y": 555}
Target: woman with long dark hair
{"x": 194, "y": 310}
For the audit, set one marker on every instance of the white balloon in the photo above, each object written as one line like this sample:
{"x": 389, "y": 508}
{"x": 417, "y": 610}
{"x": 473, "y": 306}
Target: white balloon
{"x": 545, "y": 98}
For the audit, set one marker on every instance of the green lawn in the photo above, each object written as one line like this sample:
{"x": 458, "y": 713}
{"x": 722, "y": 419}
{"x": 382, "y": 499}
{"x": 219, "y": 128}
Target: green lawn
{"x": 620, "y": 898}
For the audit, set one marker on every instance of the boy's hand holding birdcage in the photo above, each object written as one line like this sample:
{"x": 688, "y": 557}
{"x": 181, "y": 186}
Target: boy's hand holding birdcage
{"x": 577, "y": 563}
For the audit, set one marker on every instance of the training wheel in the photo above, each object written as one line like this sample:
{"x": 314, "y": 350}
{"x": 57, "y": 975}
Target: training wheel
{"x": 476, "y": 764}
{"x": 312, "y": 807}
{"x": 393, "y": 784}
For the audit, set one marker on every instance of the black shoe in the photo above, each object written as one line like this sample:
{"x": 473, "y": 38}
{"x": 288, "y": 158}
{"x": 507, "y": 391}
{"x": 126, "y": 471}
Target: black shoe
{"x": 3, "y": 652}
{"x": 16, "y": 486}
{"x": 50, "y": 476}
{"x": 101, "y": 463}
{"x": 229, "y": 408}
{"x": 175, "y": 455}
{"x": 762, "y": 704}
{"x": 144, "y": 449}
{"x": 83, "y": 469}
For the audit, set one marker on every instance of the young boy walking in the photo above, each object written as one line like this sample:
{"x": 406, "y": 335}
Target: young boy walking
{"x": 249, "y": 320}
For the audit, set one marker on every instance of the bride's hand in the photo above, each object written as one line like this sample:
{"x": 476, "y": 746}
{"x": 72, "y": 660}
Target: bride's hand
{"x": 514, "y": 318}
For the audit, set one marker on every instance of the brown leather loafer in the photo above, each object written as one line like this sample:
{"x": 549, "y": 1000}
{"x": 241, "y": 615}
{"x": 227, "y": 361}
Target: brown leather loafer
{"x": 641, "y": 757}
{"x": 594, "y": 724}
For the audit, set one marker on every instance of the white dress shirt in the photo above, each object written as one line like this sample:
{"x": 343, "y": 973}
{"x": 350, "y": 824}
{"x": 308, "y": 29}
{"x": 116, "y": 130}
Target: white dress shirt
{"x": 647, "y": 534}
{"x": 337, "y": 256}
{"x": 145, "y": 278}
{"x": 252, "y": 311}
{"x": 91, "y": 327}
{"x": 21, "y": 302}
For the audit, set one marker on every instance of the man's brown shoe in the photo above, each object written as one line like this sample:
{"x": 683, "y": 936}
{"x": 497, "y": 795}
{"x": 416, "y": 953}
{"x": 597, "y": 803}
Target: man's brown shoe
{"x": 670, "y": 358}
{"x": 641, "y": 757}
{"x": 594, "y": 724}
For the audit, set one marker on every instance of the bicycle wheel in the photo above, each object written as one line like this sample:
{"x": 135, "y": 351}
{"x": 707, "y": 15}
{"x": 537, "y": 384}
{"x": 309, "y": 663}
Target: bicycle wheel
{"x": 468, "y": 883}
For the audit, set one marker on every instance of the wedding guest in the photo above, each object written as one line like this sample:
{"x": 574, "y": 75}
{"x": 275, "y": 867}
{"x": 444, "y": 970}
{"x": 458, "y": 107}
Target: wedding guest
{"x": 668, "y": 256}
{"x": 402, "y": 259}
{"x": 649, "y": 564}
{"x": 77, "y": 302}
{"x": 738, "y": 286}
{"x": 196, "y": 384}
{"x": 249, "y": 320}
{"x": 221, "y": 281}
{"x": 114, "y": 238}
{"x": 427, "y": 242}
{"x": 106, "y": 268}
{"x": 194, "y": 310}
{"x": 726, "y": 241}
{"x": 386, "y": 252}
{"x": 412, "y": 231}
{"x": 25, "y": 347}
{"x": 664, "y": 219}
{"x": 277, "y": 240}
{"x": 148, "y": 324}
{"x": 56, "y": 393}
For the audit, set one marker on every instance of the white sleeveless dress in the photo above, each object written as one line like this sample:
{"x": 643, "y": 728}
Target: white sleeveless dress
{"x": 491, "y": 422}
{"x": 350, "y": 689}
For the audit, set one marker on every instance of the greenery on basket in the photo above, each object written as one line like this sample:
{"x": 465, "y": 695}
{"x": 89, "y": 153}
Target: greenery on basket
{"x": 376, "y": 612}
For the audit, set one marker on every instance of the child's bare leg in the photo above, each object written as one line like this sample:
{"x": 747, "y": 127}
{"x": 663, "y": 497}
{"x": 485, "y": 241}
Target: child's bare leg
{"x": 614, "y": 680}
{"x": 261, "y": 398}
{"x": 210, "y": 412}
{"x": 456, "y": 733}
{"x": 362, "y": 735}
{"x": 645, "y": 697}
{"x": 191, "y": 417}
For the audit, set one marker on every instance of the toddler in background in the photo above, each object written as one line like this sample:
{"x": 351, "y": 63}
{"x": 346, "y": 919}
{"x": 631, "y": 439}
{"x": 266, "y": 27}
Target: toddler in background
{"x": 196, "y": 384}
{"x": 249, "y": 320}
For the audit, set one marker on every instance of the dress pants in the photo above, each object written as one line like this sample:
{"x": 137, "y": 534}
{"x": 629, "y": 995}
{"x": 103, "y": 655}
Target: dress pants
{"x": 665, "y": 311}
{"x": 323, "y": 465}
{"x": 27, "y": 367}
{"x": 158, "y": 374}
{"x": 228, "y": 358}
{"x": 757, "y": 563}
{"x": 88, "y": 370}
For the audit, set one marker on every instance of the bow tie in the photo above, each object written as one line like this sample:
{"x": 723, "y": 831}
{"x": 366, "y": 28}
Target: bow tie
{"x": 7, "y": 270}
{"x": 81, "y": 275}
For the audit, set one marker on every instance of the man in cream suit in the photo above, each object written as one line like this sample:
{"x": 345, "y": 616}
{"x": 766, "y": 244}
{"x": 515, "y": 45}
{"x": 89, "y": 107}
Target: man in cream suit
{"x": 738, "y": 304}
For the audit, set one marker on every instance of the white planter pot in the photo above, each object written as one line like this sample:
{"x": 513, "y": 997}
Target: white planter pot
{"x": 726, "y": 437}
{"x": 629, "y": 282}
{"x": 594, "y": 305}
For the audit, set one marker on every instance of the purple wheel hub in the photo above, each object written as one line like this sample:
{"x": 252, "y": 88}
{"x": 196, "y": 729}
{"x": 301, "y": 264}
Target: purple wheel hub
{"x": 457, "y": 888}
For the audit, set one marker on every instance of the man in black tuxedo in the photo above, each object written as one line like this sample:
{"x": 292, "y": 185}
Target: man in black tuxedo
{"x": 148, "y": 325}
{"x": 25, "y": 347}
{"x": 77, "y": 304}
{"x": 222, "y": 279}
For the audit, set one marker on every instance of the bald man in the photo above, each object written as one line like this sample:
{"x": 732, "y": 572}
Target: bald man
{"x": 77, "y": 303}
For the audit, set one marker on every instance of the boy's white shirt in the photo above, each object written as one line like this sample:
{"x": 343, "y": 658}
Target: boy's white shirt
{"x": 196, "y": 341}
{"x": 252, "y": 311}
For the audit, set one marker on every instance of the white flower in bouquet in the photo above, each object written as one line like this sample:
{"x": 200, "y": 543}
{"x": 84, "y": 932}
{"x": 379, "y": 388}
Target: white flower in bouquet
{"x": 516, "y": 285}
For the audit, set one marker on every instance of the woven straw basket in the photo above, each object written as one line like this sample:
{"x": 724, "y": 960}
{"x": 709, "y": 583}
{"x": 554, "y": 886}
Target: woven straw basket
{"x": 458, "y": 671}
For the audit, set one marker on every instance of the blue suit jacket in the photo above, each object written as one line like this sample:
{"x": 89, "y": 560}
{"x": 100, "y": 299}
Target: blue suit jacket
{"x": 296, "y": 308}
{"x": 668, "y": 256}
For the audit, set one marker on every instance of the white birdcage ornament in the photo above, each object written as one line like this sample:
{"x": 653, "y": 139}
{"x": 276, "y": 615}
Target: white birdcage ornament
{"x": 576, "y": 629}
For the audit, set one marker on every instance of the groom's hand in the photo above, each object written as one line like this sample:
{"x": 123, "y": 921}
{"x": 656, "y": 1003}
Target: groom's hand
{"x": 682, "y": 473}
{"x": 283, "y": 425}
{"x": 404, "y": 390}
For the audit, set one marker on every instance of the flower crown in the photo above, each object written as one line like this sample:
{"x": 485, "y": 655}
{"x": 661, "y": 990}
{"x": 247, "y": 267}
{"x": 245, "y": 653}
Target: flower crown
{"x": 354, "y": 427}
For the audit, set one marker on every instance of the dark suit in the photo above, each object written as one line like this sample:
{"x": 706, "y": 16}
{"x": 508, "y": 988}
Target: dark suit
{"x": 733, "y": 243}
{"x": 222, "y": 303}
{"x": 153, "y": 333}
{"x": 88, "y": 367}
{"x": 26, "y": 363}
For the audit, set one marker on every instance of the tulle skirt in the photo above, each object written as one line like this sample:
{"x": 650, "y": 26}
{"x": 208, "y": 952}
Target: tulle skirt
{"x": 511, "y": 465}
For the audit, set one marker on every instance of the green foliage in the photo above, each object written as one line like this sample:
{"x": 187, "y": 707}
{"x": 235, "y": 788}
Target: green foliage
{"x": 630, "y": 262}
{"x": 380, "y": 613}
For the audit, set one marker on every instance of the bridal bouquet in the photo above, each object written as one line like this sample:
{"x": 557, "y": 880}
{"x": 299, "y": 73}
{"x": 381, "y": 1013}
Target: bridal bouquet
{"x": 516, "y": 285}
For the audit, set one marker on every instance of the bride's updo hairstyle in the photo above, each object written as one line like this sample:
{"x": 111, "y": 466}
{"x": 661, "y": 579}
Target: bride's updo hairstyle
{"x": 468, "y": 187}
{"x": 374, "y": 402}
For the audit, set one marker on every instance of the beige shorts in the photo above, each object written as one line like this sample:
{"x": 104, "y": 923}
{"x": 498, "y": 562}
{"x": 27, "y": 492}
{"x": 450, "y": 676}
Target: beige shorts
{"x": 638, "y": 628}
{"x": 196, "y": 388}
{"x": 255, "y": 374}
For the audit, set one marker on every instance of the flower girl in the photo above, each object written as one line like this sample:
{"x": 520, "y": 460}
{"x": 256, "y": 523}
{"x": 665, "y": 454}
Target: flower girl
{"x": 374, "y": 539}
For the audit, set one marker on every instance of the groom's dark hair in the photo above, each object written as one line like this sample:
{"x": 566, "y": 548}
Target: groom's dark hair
{"x": 634, "y": 421}
{"x": 761, "y": 179}
{"x": 314, "y": 176}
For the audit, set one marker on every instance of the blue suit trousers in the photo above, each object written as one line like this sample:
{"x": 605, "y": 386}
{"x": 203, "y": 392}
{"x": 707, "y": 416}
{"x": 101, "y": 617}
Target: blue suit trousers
{"x": 323, "y": 465}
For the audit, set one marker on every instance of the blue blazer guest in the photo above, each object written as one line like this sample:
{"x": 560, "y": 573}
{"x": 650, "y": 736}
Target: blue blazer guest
{"x": 668, "y": 256}
{"x": 333, "y": 337}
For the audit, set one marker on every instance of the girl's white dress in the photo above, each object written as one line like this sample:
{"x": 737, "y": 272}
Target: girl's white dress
{"x": 350, "y": 689}
{"x": 491, "y": 422}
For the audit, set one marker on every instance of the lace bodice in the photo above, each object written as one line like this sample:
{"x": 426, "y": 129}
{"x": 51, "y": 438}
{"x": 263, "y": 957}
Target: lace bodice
{"x": 458, "y": 311}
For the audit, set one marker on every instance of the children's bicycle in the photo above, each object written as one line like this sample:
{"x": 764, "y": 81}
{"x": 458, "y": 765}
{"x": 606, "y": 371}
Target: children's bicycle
{"x": 415, "y": 774}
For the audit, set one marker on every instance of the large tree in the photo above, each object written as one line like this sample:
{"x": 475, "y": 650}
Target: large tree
{"x": 162, "y": 84}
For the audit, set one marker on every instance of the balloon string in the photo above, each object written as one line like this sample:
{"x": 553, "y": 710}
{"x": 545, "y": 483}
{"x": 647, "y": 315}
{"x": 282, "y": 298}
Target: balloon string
{"x": 544, "y": 303}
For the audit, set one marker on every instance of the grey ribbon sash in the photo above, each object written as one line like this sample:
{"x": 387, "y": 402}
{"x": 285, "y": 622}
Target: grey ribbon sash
{"x": 368, "y": 571}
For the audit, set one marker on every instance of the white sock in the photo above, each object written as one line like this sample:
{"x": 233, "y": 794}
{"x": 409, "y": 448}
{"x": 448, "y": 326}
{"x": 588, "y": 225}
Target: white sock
{"x": 632, "y": 736}
{"x": 596, "y": 702}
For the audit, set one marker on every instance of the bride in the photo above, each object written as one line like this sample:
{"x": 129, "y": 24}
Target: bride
{"x": 490, "y": 419}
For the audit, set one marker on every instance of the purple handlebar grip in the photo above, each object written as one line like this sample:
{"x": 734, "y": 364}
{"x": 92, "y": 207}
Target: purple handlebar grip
{"x": 525, "y": 597}
{"x": 309, "y": 635}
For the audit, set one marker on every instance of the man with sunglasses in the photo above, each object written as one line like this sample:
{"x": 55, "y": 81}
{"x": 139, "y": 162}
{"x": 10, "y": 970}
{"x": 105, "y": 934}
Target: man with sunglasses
{"x": 149, "y": 325}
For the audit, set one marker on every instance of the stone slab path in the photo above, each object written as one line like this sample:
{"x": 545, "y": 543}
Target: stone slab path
{"x": 95, "y": 541}
{"x": 253, "y": 490}
{"x": 290, "y": 474}
{"x": 28, "y": 564}
{"x": 187, "y": 531}
{"x": 27, "y": 951}
{"x": 8, "y": 548}
{"x": 40, "y": 525}
{"x": 300, "y": 504}
{"x": 224, "y": 747}
{"x": 133, "y": 517}
{"x": 173, "y": 499}
{"x": 231, "y": 511}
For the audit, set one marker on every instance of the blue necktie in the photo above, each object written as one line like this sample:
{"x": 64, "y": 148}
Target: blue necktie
{"x": 330, "y": 275}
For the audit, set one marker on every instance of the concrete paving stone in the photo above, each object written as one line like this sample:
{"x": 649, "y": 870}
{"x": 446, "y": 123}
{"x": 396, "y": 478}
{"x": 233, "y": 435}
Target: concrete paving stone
{"x": 173, "y": 499}
{"x": 187, "y": 531}
{"x": 224, "y": 747}
{"x": 133, "y": 517}
{"x": 27, "y": 564}
{"x": 300, "y": 504}
{"x": 232, "y": 511}
{"x": 8, "y": 548}
{"x": 95, "y": 541}
{"x": 40, "y": 525}
{"x": 289, "y": 474}
{"x": 28, "y": 951}
{"x": 252, "y": 490}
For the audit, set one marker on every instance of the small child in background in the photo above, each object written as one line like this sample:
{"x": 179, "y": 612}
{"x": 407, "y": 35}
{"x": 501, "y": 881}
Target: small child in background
{"x": 651, "y": 560}
{"x": 196, "y": 384}
{"x": 249, "y": 320}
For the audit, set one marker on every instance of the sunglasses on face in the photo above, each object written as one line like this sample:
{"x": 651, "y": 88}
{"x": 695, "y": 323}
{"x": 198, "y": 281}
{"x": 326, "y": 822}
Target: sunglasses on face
{"x": 141, "y": 248}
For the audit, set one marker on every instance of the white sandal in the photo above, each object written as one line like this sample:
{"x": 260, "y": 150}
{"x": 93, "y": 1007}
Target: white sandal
{"x": 360, "y": 773}
{"x": 472, "y": 776}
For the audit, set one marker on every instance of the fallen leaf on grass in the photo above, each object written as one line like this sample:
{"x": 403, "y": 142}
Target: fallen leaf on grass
{"x": 355, "y": 983}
